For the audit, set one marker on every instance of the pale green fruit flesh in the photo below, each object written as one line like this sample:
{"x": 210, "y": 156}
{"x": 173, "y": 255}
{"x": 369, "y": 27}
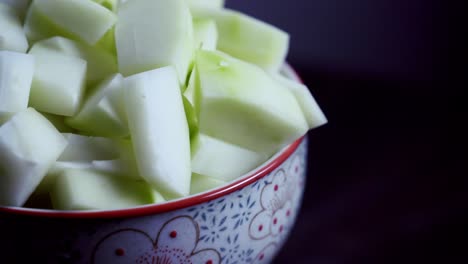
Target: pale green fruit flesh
{"x": 223, "y": 161}
{"x": 144, "y": 25}
{"x": 117, "y": 167}
{"x": 205, "y": 34}
{"x": 16, "y": 73}
{"x": 58, "y": 83}
{"x": 58, "y": 168}
{"x": 249, "y": 39}
{"x": 107, "y": 42}
{"x": 59, "y": 123}
{"x": 242, "y": 105}
{"x": 163, "y": 145}
{"x": 102, "y": 113}
{"x": 113, "y": 157}
{"x": 29, "y": 145}
{"x": 123, "y": 166}
{"x": 311, "y": 110}
{"x": 205, "y": 4}
{"x": 109, "y": 4}
{"x": 37, "y": 26}
{"x": 86, "y": 149}
{"x": 85, "y": 19}
{"x": 12, "y": 36}
{"x": 159, "y": 130}
{"x": 100, "y": 63}
{"x": 201, "y": 183}
{"x": 90, "y": 190}
{"x": 192, "y": 118}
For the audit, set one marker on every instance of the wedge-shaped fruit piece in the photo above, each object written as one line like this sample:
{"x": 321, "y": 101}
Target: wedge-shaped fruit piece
{"x": 159, "y": 130}
{"x": 12, "y": 36}
{"x": 249, "y": 39}
{"x": 102, "y": 114}
{"x": 58, "y": 83}
{"x": 223, "y": 161}
{"x": 201, "y": 183}
{"x": 312, "y": 112}
{"x": 29, "y": 145}
{"x": 89, "y": 190}
{"x": 205, "y": 4}
{"x": 86, "y": 149}
{"x": 81, "y": 19}
{"x": 239, "y": 103}
{"x": 154, "y": 33}
{"x": 16, "y": 73}
{"x": 100, "y": 63}
{"x": 205, "y": 34}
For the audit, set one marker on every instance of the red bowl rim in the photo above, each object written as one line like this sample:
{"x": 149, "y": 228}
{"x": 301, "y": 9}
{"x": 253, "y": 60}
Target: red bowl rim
{"x": 186, "y": 202}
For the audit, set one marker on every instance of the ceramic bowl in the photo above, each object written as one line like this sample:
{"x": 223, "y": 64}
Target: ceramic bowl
{"x": 246, "y": 221}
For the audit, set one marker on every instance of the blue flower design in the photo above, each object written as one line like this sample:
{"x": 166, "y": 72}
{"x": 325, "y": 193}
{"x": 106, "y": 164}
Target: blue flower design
{"x": 213, "y": 230}
{"x": 245, "y": 212}
{"x": 230, "y": 252}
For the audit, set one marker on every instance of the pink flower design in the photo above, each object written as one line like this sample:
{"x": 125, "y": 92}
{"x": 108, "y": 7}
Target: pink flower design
{"x": 276, "y": 202}
{"x": 266, "y": 254}
{"x": 175, "y": 244}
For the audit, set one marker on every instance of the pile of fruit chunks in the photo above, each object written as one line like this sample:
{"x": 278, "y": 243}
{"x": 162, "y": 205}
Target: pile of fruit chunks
{"x": 108, "y": 104}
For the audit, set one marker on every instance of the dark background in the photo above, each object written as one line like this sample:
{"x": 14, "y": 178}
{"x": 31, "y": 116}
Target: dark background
{"x": 387, "y": 180}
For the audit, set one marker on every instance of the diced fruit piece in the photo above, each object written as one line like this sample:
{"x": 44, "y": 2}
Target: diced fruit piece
{"x": 242, "y": 105}
{"x": 109, "y": 4}
{"x": 37, "y": 26}
{"x": 82, "y": 148}
{"x": 154, "y": 33}
{"x": 201, "y": 183}
{"x": 312, "y": 112}
{"x": 100, "y": 63}
{"x": 58, "y": 168}
{"x": 223, "y": 161}
{"x": 118, "y": 167}
{"x": 84, "y": 19}
{"x": 249, "y": 39}
{"x": 29, "y": 145}
{"x": 205, "y": 4}
{"x": 59, "y": 122}
{"x": 159, "y": 130}
{"x": 12, "y": 36}
{"x": 89, "y": 190}
{"x": 102, "y": 114}
{"x": 16, "y": 73}
{"x": 58, "y": 83}
{"x": 124, "y": 166}
{"x": 205, "y": 34}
